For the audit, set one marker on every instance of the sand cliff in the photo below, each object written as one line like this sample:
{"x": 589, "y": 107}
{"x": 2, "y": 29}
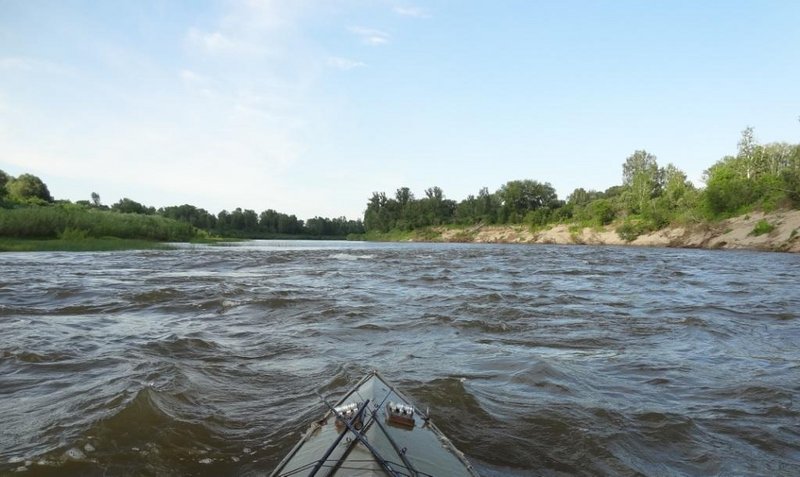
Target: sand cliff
{"x": 735, "y": 233}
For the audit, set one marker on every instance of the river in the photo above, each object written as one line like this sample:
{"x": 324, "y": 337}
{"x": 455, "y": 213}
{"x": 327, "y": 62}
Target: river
{"x": 535, "y": 360}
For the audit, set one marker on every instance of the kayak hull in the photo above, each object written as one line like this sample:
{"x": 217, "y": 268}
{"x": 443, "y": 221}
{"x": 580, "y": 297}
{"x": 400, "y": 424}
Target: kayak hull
{"x": 387, "y": 438}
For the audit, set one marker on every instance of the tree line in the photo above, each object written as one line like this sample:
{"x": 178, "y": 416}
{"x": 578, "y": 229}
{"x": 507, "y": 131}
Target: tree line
{"x": 649, "y": 197}
{"x": 28, "y": 190}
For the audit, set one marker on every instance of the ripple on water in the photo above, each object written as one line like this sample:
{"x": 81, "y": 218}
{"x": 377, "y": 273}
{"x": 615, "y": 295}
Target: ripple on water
{"x": 535, "y": 360}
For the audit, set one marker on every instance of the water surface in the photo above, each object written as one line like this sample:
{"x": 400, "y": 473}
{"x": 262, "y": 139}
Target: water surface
{"x": 535, "y": 360}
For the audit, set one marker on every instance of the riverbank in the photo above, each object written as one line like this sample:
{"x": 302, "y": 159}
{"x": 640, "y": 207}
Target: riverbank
{"x": 78, "y": 245}
{"x": 774, "y": 231}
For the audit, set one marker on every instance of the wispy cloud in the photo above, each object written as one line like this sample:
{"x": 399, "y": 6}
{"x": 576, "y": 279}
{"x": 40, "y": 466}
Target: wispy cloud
{"x": 30, "y": 65}
{"x": 190, "y": 76}
{"x": 370, "y": 36}
{"x": 218, "y": 43}
{"x": 236, "y": 106}
{"x": 343, "y": 63}
{"x": 410, "y": 11}
{"x": 260, "y": 28}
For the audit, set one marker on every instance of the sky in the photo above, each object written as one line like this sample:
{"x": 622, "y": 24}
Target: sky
{"x": 308, "y": 107}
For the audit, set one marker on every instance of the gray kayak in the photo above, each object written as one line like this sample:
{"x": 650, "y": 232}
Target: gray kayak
{"x": 374, "y": 431}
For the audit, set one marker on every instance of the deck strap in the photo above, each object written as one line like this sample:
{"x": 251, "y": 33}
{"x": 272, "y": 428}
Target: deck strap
{"x": 386, "y": 466}
{"x": 349, "y": 424}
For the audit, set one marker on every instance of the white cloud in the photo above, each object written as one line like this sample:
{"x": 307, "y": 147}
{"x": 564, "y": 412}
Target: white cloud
{"x": 23, "y": 64}
{"x": 31, "y": 65}
{"x": 343, "y": 63}
{"x": 263, "y": 28}
{"x": 371, "y": 36}
{"x": 190, "y": 76}
{"x": 218, "y": 43}
{"x": 409, "y": 11}
{"x": 231, "y": 156}
{"x": 228, "y": 122}
{"x": 234, "y": 119}
{"x": 264, "y": 14}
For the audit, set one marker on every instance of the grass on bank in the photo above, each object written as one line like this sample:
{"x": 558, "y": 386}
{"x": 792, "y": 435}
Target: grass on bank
{"x": 106, "y": 244}
{"x": 72, "y": 222}
{"x": 71, "y": 227}
{"x": 418, "y": 235}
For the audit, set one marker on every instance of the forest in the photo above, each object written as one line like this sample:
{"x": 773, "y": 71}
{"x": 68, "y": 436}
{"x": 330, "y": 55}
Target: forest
{"x": 28, "y": 211}
{"x": 650, "y": 197}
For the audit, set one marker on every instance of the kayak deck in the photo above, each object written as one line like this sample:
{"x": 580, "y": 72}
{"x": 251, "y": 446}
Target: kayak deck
{"x": 377, "y": 433}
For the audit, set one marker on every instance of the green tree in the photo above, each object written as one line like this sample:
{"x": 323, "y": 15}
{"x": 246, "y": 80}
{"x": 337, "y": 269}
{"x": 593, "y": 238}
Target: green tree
{"x": 642, "y": 180}
{"x": 581, "y": 196}
{"x": 727, "y": 189}
{"x": 405, "y": 208}
{"x": 268, "y": 221}
{"x": 749, "y": 155}
{"x": 434, "y": 193}
{"x": 223, "y": 220}
{"x": 598, "y": 212}
{"x": 376, "y": 215}
{"x": 130, "y": 206}
{"x": 488, "y": 206}
{"x": 520, "y": 197}
{"x": 289, "y": 224}
{"x": 28, "y": 188}
{"x": 434, "y": 209}
{"x": 790, "y": 176}
{"x": 237, "y": 219}
{"x": 481, "y": 209}
{"x": 4, "y": 180}
{"x": 677, "y": 187}
{"x": 250, "y": 220}
{"x": 199, "y": 218}
{"x": 403, "y": 196}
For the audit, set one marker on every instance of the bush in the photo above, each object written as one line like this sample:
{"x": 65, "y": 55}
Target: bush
{"x": 538, "y": 217}
{"x": 762, "y": 227}
{"x": 791, "y": 184}
{"x": 727, "y": 192}
{"x": 73, "y": 234}
{"x": 633, "y": 228}
{"x": 601, "y": 212}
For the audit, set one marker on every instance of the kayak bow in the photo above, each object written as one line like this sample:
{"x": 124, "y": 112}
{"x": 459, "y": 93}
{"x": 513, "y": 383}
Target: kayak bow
{"x": 374, "y": 431}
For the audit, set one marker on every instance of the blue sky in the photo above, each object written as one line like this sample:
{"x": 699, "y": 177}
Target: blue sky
{"x": 307, "y": 107}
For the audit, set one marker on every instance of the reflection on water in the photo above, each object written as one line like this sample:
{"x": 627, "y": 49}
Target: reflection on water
{"x": 535, "y": 360}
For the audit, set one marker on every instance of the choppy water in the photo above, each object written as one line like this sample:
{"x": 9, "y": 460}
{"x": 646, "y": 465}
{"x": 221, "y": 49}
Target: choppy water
{"x": 535, "y": 360}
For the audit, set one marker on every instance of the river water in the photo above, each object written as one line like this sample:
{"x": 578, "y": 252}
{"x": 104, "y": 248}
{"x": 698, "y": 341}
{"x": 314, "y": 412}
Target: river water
{"x": 534, "y": 360}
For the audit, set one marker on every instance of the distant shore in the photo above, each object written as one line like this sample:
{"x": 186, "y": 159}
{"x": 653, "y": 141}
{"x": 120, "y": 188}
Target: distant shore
{"x": 777, "y": 231}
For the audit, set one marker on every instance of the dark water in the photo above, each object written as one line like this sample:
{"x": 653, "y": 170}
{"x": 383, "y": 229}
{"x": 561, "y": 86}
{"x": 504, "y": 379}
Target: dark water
{"x": 535, "y": 360}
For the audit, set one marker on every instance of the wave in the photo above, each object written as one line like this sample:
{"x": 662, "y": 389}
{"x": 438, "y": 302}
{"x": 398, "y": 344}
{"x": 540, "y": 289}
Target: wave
{"x": 350, "y": 257}
{"x": 32, "y": 357}
{"x": 163, "y": 432}
{"x": 173, "y": 346}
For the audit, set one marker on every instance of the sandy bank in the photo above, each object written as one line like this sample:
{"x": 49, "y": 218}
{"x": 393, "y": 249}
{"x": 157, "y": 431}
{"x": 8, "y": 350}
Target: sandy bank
{"x": 735, "y": 233}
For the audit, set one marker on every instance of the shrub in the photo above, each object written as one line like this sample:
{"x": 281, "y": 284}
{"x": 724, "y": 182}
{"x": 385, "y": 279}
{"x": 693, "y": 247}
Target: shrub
{"x": 602, "y": 212}
{"x": 538, "y": 217}
{"x": 70, "y": 233}
{"x": 762, "y": 227}
{"x": 633, "y": 228}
